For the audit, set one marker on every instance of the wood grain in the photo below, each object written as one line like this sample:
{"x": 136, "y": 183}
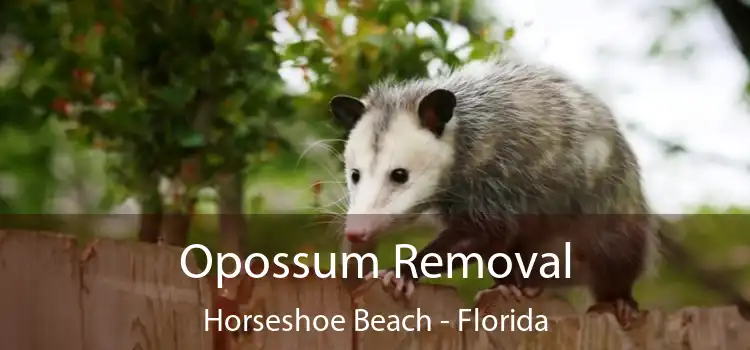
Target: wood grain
{"x": 126, "y": 295}
{"x": 135, "y": 296}
{"x": 39, "y": 281}
{"x": 281, "y": 297}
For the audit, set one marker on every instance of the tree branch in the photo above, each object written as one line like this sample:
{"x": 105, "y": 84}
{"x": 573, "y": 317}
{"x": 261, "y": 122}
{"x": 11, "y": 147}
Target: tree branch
{"x": 673, "y": 147}
{"x": 177, "y": 224}
{"x": 737, "y": 16}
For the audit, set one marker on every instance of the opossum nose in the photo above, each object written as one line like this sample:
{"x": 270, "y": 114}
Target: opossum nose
{"x": 355, "y": 237}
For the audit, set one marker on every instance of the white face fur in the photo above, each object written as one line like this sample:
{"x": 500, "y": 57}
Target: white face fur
{"x": 387, "y": 179}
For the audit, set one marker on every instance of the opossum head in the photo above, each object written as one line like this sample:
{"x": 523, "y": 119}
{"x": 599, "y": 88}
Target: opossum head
{"x": 395, "y": 158}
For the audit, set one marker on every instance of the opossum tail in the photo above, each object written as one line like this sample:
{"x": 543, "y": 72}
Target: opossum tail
{"x": 676, "y": 255}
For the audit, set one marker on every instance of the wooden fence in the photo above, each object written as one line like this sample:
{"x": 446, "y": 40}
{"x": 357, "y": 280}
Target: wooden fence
{"x": 127, "y": 295}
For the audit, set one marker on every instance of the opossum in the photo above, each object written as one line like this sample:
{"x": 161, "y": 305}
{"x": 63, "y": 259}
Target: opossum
{"x": 512, "y": 157}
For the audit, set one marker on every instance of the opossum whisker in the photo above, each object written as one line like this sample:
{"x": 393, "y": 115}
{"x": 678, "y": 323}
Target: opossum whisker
{"x": 325, "y": 222}
{"x": 335, "y": 224}
{"x": 324, "y": 210}
{"x": 321, "y": 206}
{"x": 330, "y": 227}
{"x": 320, "y": 183}
{"x": 334, "y": 227}
{"x": 324, "y": 143}
{"x": 340, "y": 201}
{"x": 338, "y": 182}
{"x": 341, "y": 183}
{"x": 337, "y": 204}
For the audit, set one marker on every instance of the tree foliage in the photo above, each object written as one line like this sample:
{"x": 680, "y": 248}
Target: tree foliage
{"x": 190, "y": 91}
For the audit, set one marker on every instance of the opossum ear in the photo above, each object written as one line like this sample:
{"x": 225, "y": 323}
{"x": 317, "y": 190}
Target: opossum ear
{"x": 347, "y": 110}
{"x": 436, "y": 109}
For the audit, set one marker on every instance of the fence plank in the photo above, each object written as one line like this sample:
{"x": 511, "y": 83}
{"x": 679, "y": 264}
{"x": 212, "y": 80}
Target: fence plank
{"x": 312, "y": 296}
{"x": 508, "y": 334}
{"x": 654, "y": 333}
{"x": 714, "y": 328}
{"x": 135, "y": 296}
{"x": 126, "y": 295}
{"x": 441, "y": 337}
{"x": 39, "y": 300}
{"x": 374, "y": 298}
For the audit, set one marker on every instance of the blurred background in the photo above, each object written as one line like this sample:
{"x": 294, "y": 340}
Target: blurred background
{"x": 143, "y": 120}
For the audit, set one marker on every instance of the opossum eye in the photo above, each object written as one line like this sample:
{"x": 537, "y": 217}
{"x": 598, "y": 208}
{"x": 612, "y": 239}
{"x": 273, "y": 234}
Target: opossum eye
{"x": 355, "y": 176}
{"x": 400, "y": 176}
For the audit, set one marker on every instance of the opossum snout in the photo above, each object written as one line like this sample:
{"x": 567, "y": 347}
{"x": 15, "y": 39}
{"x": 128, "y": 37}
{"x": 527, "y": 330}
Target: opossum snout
{"x": 360, "y": 228}
{"x": 355, "y": 237}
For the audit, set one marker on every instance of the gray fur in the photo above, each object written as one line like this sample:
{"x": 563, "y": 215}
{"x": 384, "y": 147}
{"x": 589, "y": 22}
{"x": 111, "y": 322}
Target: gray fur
{"x": 519, "y": 138}
{"x": 525, "y": 140}
{"x": 520, "y": 133}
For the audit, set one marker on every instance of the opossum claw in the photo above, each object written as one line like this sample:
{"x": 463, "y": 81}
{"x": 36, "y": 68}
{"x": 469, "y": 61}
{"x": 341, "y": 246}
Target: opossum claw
{"x": 510, "y": 291}
{"x": 371, "y": 275}
{"x": 410, "y": 289}
{"x": 405, "y": 288}
{"x": 625, "y": 312}
{"x": 398, "y": 286}
{"x": 401, "y": 286}
{"x": 388, "y": 277}
{"x": 532, "y": 292}
{"x": 482, "y": 293}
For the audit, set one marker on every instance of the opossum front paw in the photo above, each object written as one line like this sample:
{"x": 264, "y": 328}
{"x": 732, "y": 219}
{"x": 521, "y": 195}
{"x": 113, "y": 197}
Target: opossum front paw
{"x": 509, "y": 292}
{"x": 625, "y": 311}
{"x": 506, "y": 292}
{"x": 401, "y": 287}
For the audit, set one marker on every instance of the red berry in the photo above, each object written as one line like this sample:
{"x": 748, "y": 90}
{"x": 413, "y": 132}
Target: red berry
{"x": 328, "y": 26}
{"x": 189, "y": 169}
{"x": 251, "y": 22}
{"x": 305, "y": 72}
{"x": 61, "y": 105}
{"x": 317, "y": 187}
{"x": 83, "y": 77}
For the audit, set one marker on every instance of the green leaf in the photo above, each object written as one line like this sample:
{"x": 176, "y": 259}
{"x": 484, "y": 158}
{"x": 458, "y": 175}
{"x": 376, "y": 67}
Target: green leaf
{"x": 439, "y": 28}
{"x": 296, "y": 49}
{"x": 257, "y": 204}
{"x": 192, "y": 140}
{"x": 222, "y": 31}
{"x": 376, "y": 40}
{"x": 175, "y": 96}
{"x": 510, "y": 32}
{"x": 657, "y": 47}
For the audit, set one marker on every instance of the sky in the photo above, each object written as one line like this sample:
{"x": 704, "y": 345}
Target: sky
{"x": 696, "y": 101}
